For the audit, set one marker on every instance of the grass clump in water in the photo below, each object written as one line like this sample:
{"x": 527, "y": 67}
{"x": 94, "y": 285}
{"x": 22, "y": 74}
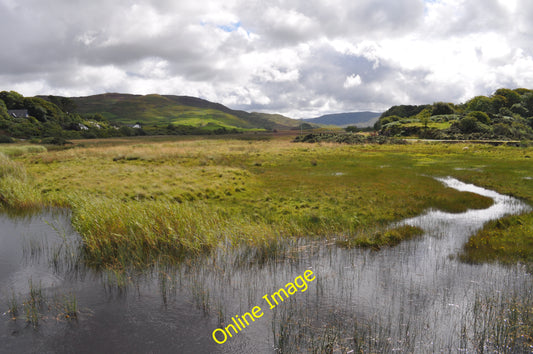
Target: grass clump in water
{"x": 381, "y": 237}
{"x": 137, "y": 233}
{"x": 140, "y": 233}
{"x": 506, "y": 240}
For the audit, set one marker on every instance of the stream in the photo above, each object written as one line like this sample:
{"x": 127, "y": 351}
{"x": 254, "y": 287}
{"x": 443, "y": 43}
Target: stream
{"x": 414, "y": 297}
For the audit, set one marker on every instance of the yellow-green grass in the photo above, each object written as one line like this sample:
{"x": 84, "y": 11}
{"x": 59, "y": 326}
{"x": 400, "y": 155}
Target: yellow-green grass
{"x": 380, "y": 237}
{"x": 16, "y": 188}
{"x": 137, "y": 200}
{"x": 506, "y": 240}
{"x": 20, "y": 149}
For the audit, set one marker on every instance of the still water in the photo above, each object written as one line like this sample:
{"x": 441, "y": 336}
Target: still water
{"x": 415, "y": 297}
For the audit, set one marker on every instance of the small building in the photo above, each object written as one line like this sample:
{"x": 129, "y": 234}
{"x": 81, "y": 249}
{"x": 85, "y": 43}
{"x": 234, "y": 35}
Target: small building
{"x": 136, "y": 126}
{"x": 83, "y": 127}
{"x": 18, "y": 113}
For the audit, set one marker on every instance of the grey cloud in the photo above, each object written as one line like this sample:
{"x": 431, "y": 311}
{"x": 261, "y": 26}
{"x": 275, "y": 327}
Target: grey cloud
{"x": 320, "y": 86}
{"x": 352, "y": 19}
{"x": 58, "y": 42}
{"x": 472, "y": 17}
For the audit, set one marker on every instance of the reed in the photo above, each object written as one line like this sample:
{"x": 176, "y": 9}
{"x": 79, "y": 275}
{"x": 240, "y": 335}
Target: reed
{"x": 16, "y": 187}
{"x": 34, "y": 304}
{"x": 13, "y": 306}
{"x": 137, "y": 200}
{"x": 70, "y": 307}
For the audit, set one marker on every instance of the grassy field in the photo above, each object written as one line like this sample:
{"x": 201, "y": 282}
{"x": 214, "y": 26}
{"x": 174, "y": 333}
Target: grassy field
{"x": 135, "y": 201}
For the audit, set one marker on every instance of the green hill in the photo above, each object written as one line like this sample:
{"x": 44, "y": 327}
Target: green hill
{"x": 184, "y": 111}
{"x": 55, "y": 118}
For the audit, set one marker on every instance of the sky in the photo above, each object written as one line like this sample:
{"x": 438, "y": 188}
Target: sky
{"x": 300, "y": 58}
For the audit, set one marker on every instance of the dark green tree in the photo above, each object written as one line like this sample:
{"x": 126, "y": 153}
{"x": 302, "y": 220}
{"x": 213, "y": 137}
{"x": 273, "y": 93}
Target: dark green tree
{"x": 497, "y": 102}
{"x": 479, "y": 103}
{"x": 481, "y": 117}
{"x": 527, "y": 102}
{"x": 441, "y": 108}
{"x": 12, "y": 99}
{"x": 3, "y": 111}
{"x": 518, "y": 108}
{"x": 511, "y": 97}
{"x": 500, "y": 130}
{"x": 523, "y": 91}
{"x": 468, "y": 125}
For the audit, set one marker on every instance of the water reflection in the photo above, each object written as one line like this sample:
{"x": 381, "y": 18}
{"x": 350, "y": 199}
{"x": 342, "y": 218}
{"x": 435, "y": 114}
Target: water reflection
{"x": 415, "y": 297}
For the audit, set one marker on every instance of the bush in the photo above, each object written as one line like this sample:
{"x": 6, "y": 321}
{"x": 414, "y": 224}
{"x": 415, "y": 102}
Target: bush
{"x": 481, "y": 117}
{"x": 501, "y": 130}
{"x": 4, "y": 139}
{"x": 479, "y": 103}
{"x": 441, "y": 108}
{"x": 511, "y": 97}
{"x": 519, "y": 109}
{"x": 468, "y": 125}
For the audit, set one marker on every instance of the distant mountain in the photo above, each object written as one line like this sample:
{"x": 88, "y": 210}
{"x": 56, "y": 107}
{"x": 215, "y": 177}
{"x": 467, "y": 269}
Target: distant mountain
{"x": 360, "y": 119}
{"x": 159, "y": 110}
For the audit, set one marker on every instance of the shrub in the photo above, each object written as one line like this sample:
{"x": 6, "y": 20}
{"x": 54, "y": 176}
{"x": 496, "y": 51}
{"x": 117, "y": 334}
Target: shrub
{"x": 468, "y": 125}
{"x": 481, "y": 117}
{"x": 501, "y": 130}
{"x": 441, "y": 108}
{"x": 511, "y": 97}
{"x": 4, "y": 139}
{"x": 479, "y": 103}
{"x": 519, "y": 109}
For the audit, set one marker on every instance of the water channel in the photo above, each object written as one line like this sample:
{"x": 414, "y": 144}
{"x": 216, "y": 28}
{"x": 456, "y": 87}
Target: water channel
{"x": 415, "y": 297}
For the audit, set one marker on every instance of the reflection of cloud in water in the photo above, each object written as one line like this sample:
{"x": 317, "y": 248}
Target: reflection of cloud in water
{"x": 414, "y": 295}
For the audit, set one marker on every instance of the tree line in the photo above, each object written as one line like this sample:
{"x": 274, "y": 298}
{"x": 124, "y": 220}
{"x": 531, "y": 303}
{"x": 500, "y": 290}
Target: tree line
{"x": 505, "y": 115}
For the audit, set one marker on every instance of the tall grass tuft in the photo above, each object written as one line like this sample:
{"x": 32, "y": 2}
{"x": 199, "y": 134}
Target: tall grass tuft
{"x": 141, "y": 232}
{"x": 506, "y": 240}
{"x": 16, "y": 190}
{"x": 379, "y": 237}
{"x": 13, "y": 306}
{"x": 70, "y": 307}
{"x": 34, "y": 304}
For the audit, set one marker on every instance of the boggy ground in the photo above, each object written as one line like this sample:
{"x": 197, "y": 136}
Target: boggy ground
{"x": 136, "y": 201}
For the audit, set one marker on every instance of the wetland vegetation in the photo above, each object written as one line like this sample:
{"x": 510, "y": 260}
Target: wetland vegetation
{"x": 134, "y": 202}
{"x": 223, "y": 221}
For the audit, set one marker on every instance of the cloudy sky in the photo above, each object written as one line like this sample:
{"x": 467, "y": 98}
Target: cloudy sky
{"x": 302, "y": 58}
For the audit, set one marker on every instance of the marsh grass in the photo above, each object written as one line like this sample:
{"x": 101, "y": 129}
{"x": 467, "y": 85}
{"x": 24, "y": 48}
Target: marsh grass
{"x": 505, "y": 240}
{"x": 16, "y": 188}
{"x": 36, "y": 306}
{"x": 69, "y": 307}
{"x": 136, "y": 201}
{"x": 13, "y": 306}
{"x": 21, "y": 149}
{"x": 491, "y": 323}
{"x": 379, "y": 237}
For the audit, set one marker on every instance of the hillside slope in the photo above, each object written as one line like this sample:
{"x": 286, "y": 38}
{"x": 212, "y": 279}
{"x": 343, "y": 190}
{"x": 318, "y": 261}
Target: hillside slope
{"x": 346, "y": 119}
{"x": 159, "y": 110}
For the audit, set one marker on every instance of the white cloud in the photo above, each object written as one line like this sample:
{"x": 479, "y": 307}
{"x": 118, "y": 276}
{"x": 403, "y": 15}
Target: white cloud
{"x": 352, "y": 81}
{"x": 300, "y": 57}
